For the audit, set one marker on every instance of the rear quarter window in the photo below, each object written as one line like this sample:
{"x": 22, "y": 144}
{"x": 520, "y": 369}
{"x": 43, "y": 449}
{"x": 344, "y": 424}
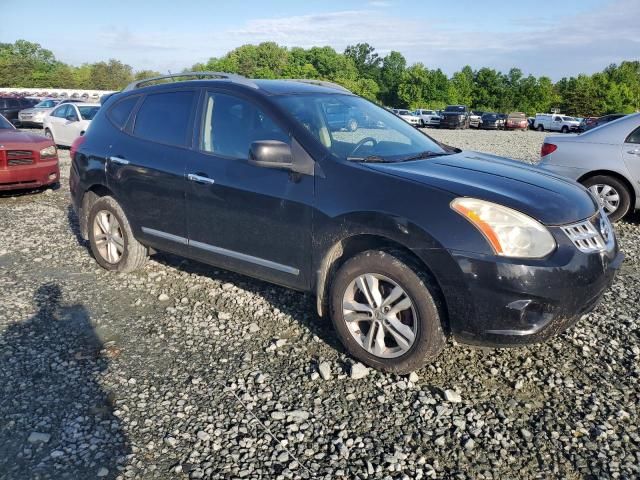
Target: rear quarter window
{"x": 165, "y": 118}
{"x": 119, "y": 113}
{"x": 634, "y": 137}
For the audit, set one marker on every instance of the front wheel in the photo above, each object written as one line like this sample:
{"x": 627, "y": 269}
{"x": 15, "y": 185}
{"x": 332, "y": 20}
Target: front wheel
{"x": 112, "y": 242}
{"x": 49, "y": 135}
{"x": 386, "y": 313}
{"x": 612, "y": 194}
{"x": 564, "y": 129}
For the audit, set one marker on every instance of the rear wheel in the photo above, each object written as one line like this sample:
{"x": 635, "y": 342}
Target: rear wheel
{"x": 352, "y": 125}
{"x": 540, "y": 128}
{"x": 386, "y": 313}
{"x": 112, "y": 242}
{"x": 612, "y": 194}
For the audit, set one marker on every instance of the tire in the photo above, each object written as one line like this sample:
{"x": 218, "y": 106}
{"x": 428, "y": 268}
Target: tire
{"x": 421, "y": 321}
{"x": 133, "y": 254}
{"x": 595, "y": 184}
{"x": 540, "y": 128}
{"x": 352, "y": 125}
{"x": 564, "y": 129}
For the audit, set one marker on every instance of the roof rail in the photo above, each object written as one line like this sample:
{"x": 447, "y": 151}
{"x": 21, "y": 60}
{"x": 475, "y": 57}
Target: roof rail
{"x": 322, "y": 83}
{"x": 197, "y": 76}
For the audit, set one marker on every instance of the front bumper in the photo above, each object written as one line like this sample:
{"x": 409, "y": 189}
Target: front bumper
{"x": 36, "y": 175}
{"x": 498, "y": 302}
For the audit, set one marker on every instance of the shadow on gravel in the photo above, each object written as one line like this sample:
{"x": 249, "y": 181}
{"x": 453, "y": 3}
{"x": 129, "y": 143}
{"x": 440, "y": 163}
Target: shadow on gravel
{"x": 55, "y": 420}
{"x": 74, "y": 226}
{"x": 28, "y": 191}
{"x": 301, "y": 307}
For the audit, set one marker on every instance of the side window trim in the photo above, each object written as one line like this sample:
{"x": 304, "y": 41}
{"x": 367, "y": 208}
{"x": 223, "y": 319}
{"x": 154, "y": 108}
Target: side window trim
{"x": 132, "y": 113}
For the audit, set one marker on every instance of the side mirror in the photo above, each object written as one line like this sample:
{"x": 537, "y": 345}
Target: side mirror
{"x": 71, "y": 118}
{"x": 271, "y": 154}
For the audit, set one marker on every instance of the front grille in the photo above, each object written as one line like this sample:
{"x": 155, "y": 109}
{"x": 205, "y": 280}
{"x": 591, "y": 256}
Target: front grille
{"x": 19, "y": 157}
{"x": 592, "y": 235}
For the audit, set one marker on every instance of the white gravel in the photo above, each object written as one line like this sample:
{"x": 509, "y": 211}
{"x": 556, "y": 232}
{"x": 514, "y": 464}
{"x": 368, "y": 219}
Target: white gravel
{"x": 196, "y": 385}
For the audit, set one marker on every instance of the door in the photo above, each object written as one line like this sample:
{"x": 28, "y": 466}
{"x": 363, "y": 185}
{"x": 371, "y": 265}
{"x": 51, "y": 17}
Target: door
{"x": 146, "y": 165}
{"x": 631, "y": 155}
{"x": 250, "y": 219}
{"x": 556, "y": 123}
{"x": 71, "y": 125}
{"x": 56, "y": 122}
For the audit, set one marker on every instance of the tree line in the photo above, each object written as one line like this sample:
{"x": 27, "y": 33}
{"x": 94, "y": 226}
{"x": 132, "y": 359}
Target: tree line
{"x": 387, "y": 80}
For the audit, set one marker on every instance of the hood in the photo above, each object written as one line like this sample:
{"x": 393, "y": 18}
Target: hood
{"x": 452, "y": 113}
{"x": 11, "y": 139}
{"x": 548, "y": 198}
{"x": 36, "y": 110}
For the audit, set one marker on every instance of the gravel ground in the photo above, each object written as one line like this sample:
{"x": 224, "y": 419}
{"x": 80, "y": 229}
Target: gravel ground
{"x": 185, "y": 371}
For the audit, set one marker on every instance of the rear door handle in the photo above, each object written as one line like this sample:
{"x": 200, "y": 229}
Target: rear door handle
{"x": 119, "y": 160}
{"x": 193, "y": 177}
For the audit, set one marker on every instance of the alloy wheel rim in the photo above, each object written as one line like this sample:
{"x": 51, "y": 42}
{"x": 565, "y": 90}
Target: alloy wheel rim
{"x": 380, "y": 315}
{"x": 108, "y": 236}
{"x": 608, "y": 197}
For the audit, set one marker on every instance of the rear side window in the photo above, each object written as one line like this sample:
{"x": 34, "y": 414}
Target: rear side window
{"x": 164, "y": 118}
{"x": 634, "y": 137}
{"x": 119, "y": 113}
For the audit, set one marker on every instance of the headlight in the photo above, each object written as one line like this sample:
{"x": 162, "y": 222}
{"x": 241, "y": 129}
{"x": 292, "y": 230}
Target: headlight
{"x": 48, "y": 152}
{"x": 509, "y": 232}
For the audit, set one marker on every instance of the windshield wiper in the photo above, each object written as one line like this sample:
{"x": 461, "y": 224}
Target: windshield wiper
{"x": 369, "y": 159}
{"x": 422, "y": 155}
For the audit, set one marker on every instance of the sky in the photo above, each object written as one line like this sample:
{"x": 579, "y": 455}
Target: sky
{"x": 541, "y": 37}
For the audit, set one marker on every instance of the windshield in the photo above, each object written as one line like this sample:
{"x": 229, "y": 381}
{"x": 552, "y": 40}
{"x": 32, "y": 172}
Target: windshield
{"x": 367, "y": 132}
{"x": 5, "y": 124}
{"x": 46, "y": 104}
{"x": 454, "y": 108}
{"x": 490, "y": 116}
{"x": 87, "y": 113}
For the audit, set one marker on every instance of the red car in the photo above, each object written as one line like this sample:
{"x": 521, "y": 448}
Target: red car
{"x": 26, "y": 160}
{"x": 515, "y": 121}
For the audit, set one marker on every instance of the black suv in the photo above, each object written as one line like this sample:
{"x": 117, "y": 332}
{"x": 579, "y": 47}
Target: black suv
{"x": 403, "y": 240}
{"x": 455, "y": 116}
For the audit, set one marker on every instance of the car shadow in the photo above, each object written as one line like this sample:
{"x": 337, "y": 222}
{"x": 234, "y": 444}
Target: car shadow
{"x": 74, "y": 226}
{"x": 28, "y": 191}
{"x": 56, "y": 421}
{"x": 299, "y": 306}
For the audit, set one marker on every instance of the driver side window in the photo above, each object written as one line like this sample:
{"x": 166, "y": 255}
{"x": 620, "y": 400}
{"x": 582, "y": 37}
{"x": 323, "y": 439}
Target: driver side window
{"x": 634, "y": 137}
{"x": 231, "y": 124}
{"x": 60, "y": 112}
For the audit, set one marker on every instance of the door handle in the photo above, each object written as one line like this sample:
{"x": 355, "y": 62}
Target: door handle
{"x": 200, "y": 179}
{"x": 634, "y": 152}
{"x": 120, "y": 161}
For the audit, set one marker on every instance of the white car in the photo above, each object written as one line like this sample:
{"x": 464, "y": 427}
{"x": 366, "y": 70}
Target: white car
{"x": 555, "y": 122}
{"x": 68, "y": 121}
{"x": 409, "y": 117}
{"x": 429, "y": 118}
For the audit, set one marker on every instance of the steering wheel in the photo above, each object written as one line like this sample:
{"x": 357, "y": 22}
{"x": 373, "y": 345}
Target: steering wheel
{"x": 362, "y": 142}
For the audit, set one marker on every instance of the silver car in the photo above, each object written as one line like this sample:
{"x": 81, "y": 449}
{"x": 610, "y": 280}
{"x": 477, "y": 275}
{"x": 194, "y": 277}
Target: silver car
{"x": 34, "y": 116}
{"x": 606, "y": 160}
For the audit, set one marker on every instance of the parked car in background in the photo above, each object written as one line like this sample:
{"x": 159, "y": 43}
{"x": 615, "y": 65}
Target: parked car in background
{"x": 34, "y": 116}
{"x": 516, "y": 121}
{"x": 10, "y": 107}
{"x": 409, "y": 117}
{"x": 68, "y": 121}
{"x": 403, "y": 241}
{"x": 531, "y": 121}
{"x": 26, "y": 160}
{"x": 491, "y": 121}
{"x": 455, "y": 116}
{"x": 606, "y": 160}
{"x": 554, "y": 122}
{"x": 341, "y": 117}
{"x": 475, "y": 119}
{"x": 428, "y": 118}
{"x": 596, "y": 122}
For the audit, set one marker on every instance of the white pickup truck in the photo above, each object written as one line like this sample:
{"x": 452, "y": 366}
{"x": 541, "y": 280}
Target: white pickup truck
{"x": 555, "y": 122}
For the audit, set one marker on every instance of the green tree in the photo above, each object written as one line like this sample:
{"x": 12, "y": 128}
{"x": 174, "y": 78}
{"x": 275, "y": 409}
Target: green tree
{"x": 111, "y": 75}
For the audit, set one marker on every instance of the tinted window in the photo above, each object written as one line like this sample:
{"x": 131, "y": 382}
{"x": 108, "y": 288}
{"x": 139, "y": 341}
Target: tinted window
{"x": 634, "y": 137}
{"x": 13, "y": 103}
{"x": 87, "y": 113}
{"x": 5, "y": 124}
{"x": 71, "y": 112}
{"x": 119, "y": 113}
{"x": 60, "y": 112}
{"x": 232, "y": 124}
{"x": 455, "y": 108}
{"x": 164, "y": 118}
